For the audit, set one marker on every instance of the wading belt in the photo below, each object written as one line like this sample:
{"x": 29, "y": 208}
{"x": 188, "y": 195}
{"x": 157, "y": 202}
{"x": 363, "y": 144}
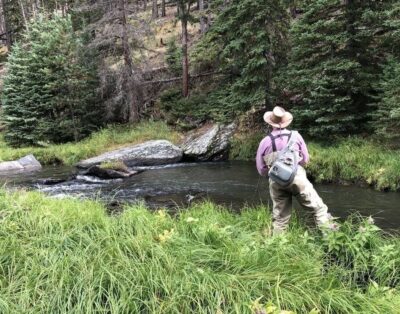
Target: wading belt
{"x": 273, "y": 138}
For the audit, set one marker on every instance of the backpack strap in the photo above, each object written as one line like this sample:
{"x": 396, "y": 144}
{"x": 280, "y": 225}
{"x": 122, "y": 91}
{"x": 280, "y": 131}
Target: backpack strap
{"x": 292, "y": 139}
{"x": 273, "y": 138}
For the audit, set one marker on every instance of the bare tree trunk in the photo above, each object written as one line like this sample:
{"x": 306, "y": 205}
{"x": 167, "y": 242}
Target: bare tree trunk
{"x": 144, "y": 5}
{"x": 209, "y": 14}
{"x": 2, "y": 31}
{"x": 129, "y": 86}
{"x": 202, "y": 17}
{"x": 155, "y": 10}
{"x": 185, "y": 60}
{"x": 23, "y": 14}
{"x": 163, "y": 13}
{"x": 6, "y": 29}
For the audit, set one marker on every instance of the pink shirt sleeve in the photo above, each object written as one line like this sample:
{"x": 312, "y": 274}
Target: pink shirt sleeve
{"x": 261, "y": 166}
{"x": 303, "y": 151}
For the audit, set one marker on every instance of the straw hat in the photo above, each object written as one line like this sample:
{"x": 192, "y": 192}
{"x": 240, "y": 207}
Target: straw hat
{"x": 278, "y": 117}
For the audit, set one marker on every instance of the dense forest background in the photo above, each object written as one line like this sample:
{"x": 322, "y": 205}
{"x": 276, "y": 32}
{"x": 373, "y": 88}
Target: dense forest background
{"x": 73, "y": 66}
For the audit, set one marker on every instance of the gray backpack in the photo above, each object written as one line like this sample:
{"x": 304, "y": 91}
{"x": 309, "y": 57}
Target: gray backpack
{"x": 284, "y": 168}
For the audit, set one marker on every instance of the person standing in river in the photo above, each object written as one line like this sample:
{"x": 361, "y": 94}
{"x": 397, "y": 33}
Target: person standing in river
{"x": 301, "y": 187}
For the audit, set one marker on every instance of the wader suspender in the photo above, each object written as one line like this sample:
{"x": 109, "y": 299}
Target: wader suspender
{"x": 273, "y": 138}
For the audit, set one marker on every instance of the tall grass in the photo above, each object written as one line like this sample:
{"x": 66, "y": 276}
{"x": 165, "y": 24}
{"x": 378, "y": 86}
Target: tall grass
{"x": 69, "y": 256}
{"x": 100, "y": 142}
{"x": 351, "y": 159}
{"x": 358, "y": 161}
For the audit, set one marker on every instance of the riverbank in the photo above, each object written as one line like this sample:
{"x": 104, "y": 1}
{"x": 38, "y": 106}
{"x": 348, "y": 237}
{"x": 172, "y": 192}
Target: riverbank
{"x": 105, "y": 140}
{"x": 70, "y": 256}
{"x": 347, "y": 161}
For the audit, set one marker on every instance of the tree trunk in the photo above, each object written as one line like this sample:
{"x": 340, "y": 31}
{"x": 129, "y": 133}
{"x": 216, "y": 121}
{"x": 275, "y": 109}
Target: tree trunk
{"x": 23, "y": 14}
{"x": 6, "y": 29}
{"x": 2, "y": 31}
{"x": 129, "y": 87}
{"x": 185, "y": 60}
{"x": 155, "y": 10}
{"x": 144, "y": 5}
{"x": 202, "y": 17}
{"x": 163, "y": 12}
{"x": 209, "y": 14}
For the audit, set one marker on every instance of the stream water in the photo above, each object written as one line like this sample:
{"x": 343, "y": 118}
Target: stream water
{"x": 233, "y": 184}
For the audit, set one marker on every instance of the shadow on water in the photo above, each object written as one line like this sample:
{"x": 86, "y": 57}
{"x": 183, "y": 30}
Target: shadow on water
{"x": 234, "y": 184}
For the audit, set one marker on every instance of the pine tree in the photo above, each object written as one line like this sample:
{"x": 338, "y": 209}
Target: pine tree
{"x": 173, "y": 57}
{"x": 50, "y": 89}
{"x": 387, "y": 116}
{"x": 334, "y": 63}
{"x": 248, "y": 40}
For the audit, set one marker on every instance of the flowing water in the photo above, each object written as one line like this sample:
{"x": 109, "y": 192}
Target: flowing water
{"x": 234, "y": 184}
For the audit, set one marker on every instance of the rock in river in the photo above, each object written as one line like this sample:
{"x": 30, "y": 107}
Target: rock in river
{"x": 27, "y": 163}
{"x": 102, "y": 173}
{"x": 210, "y": 143}
{"x": 150, "y": 153}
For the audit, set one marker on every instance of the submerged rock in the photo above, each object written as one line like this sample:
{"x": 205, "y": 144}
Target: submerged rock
{"x": 53, "y": 181}
{"x": 95, "y": 180}
{"x": 150, "y": 153}
{"x": 210, "y": 143}
{"x": 109, "y": 173}
{"x": 27, "y": 163}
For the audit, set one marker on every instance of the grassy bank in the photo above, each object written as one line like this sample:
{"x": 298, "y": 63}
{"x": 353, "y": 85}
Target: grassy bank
{"x": 100, "y": 142}
{"x": 69, "y": 256}
{"x": 353, "y": 160}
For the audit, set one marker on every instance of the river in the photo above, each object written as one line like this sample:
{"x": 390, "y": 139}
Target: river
{"x": 233, "y": 184}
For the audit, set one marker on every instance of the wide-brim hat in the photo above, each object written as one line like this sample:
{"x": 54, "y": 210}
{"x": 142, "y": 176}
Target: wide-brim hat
{"x": 278, "y": 117}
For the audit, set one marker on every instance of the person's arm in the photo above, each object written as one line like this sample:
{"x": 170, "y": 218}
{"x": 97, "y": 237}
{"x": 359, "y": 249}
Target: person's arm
{"x": 303, "y": 151}
{"x": 261, "y": 166}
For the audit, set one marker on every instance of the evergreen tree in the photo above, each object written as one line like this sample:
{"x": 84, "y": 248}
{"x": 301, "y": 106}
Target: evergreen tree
{"x": 173, "y": 57}
{"x": 333, "y": 65}
{"x": 49, "y": 92}
{"x": 387, "y": 116}
{"x": 248, "y": 40}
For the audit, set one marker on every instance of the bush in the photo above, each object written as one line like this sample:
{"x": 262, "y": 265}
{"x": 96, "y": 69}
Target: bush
{"x": 50, "y": 88}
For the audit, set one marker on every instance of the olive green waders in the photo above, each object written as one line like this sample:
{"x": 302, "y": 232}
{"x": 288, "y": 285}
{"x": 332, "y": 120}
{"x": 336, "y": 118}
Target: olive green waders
{"x": 306, "y": 195}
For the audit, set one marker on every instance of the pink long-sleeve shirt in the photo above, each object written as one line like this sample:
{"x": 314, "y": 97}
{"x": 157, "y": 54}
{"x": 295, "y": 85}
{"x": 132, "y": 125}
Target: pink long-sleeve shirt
{"x": 266, "y": 148}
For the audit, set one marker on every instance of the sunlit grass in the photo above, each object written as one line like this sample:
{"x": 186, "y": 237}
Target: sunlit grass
{"x": 70, "y": 256}
{"x": 100, "y": 142}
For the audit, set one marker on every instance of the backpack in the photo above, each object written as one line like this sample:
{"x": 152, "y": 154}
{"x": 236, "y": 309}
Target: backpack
{"x": 284, "y": 168}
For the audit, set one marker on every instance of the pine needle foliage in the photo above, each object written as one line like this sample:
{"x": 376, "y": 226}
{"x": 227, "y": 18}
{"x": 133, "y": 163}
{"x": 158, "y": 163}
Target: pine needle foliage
{"x": 249, "y": 39}
{"x": 334, "y": 64}
{"x": 49, "y": 92}
{"x": 387, "y": 116}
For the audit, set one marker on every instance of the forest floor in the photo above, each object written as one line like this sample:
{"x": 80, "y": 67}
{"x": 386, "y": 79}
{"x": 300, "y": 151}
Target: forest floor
{"x": 71, "y": 256}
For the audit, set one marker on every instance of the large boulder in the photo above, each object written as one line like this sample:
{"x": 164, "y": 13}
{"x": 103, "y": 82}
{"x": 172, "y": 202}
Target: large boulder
{"x": 150, "y": 153}
{"x": 27, "y": 163}
{"x": 210, "y": 143}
